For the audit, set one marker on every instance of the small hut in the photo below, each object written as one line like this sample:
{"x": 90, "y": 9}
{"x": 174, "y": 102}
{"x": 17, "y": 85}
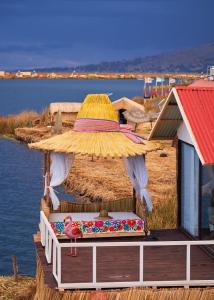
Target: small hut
{"x": 135, "y": 117}
{"x": 122, "y": 105}
{"x": 187, "y": 118}
{"x": 68, "y": 111}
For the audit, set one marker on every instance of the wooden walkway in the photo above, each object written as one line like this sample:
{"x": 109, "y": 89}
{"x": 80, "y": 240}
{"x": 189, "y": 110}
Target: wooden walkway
{"x": 122, "y": 263}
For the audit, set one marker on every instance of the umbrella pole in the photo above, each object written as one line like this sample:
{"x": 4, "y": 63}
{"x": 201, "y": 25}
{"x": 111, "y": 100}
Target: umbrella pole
{"x": 48, "y": 177}
{"x": 145, "y": 218}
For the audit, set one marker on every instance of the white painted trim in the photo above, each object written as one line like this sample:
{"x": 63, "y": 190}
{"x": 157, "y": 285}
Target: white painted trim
{"x": 183, "y": 134}
{"x": 188, "y": 263}
{"x": 134, "y": 244}
{"x": 186, "y": 121}
{"x": 174, "y": 283}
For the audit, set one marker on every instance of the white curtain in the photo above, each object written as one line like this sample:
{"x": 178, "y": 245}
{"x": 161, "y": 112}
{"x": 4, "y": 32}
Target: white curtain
{"x": 59, "y": 170}
{"x": 137, "y": 172}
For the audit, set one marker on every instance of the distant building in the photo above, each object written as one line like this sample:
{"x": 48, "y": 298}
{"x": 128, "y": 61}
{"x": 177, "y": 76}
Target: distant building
{"x": 211, "y": 72}
{"x": 68, "y": 110}
{"x": 34, "y": 74}
{"x": 23, "y": 74}
{"x": 122, "y": 105}
{"x": 2, "y": 73}
{"x": 52, "y": 75}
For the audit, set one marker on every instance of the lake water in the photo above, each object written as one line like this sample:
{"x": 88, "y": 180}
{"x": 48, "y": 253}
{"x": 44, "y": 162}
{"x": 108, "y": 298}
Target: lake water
{"x": 21, "y": 169}
{"x": 19, "y": 95}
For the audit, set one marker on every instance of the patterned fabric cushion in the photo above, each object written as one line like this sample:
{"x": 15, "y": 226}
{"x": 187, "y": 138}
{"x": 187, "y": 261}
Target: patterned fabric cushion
{"x": 91, "y": 227}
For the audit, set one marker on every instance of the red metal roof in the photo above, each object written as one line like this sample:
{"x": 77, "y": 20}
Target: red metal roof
{"x": 203, "y": 83}
{"x": 198, "y": 107}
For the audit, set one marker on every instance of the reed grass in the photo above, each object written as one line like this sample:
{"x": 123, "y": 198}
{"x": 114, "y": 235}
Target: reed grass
{"x": 9, "y": 123}
{"x": 22, "y": 289}
{"x": 45, "y": 117}
{"x": 164, "y": 215}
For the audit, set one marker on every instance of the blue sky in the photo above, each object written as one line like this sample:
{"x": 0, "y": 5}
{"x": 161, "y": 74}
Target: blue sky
{"x": 47, "y": 33}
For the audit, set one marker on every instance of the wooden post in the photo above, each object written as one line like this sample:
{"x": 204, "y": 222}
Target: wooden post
{"x": 134, "y": 200}
{"x": 156, "y": 88}
{"x": 144, "y": 90}
{"x": 48, "y": 178}
{"x": 15, "y": 268}
{"x": 145, "y": 211}
{"x": 162, "y": 93}
{"x": 57, "y": 128}
{"x": 44, "y": 168}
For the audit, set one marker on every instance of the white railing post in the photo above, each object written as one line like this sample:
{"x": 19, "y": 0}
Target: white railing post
{"x": 42, "y": 228}
{"x": 54, "y": 259}
{"x": 49, "y": 248}
{"x": 59, "y": 264}
{"x": 46, "y": 242}
{"x": 188, "y": 262}
{"x": 141, "y": 263}
{"x": 53, "y": 253}
{"x": 94, "y": 264}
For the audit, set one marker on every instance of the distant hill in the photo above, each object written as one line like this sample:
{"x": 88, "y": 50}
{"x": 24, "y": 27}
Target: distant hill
{"x": 184, "y": 60}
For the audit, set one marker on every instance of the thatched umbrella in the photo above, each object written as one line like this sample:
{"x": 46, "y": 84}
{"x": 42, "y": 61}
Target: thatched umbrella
{"x": 91, "y": 138}
{"x": 96, "y": 132}
{"x": 139, "y": 116}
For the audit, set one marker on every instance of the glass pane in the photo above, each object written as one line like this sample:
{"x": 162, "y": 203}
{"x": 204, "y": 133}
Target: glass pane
{"x": 207, "y": 202}
{"x": 189, "y": 189}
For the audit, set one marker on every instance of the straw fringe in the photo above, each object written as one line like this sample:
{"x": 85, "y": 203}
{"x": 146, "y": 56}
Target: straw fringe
{"x": 105, "y": 144}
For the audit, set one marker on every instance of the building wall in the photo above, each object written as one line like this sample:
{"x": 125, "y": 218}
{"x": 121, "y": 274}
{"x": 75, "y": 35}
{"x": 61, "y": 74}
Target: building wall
{"x": 183, "y": 134}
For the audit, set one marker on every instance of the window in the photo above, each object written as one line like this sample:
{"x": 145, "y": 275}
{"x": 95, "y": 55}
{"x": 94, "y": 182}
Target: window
{"x": 207, "y": 202}
{"x": 189, "y": 192}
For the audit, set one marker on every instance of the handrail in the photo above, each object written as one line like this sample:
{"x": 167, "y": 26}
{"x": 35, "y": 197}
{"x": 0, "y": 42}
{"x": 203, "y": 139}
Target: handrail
{"x": 45, "y": 220}
{"x": 144, "y": 243}
{"x": 53, "y": 250}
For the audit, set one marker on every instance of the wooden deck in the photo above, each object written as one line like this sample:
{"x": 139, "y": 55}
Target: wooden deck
{"x": 122, "y": 263}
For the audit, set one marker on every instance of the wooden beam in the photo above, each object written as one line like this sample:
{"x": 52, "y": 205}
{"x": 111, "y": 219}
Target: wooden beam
{"x": 48, "y": 178}
{"x": 134, "y": 200}
{"x": 44, "y": 168}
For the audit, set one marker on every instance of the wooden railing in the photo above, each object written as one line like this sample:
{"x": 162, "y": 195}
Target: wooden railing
{"x": 53, "y": 251}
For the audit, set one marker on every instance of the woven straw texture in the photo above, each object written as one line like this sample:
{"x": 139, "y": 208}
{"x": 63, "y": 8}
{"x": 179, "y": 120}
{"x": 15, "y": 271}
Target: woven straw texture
{"x": 104, "y": 144}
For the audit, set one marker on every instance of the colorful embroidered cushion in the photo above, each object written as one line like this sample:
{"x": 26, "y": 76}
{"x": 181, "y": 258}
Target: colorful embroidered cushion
{"x": 91, "y": 227}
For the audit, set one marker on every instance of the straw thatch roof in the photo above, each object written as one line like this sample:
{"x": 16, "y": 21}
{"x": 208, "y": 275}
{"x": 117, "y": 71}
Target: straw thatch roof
{"x": 139, "y": 116}
{"x": 64, "y": 107}
{"x": 127, "y": 104}
{"x": 104, "y": 144}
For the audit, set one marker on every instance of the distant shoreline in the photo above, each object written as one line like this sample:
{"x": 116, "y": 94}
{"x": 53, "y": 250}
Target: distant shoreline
{"x": 104, "y": 76}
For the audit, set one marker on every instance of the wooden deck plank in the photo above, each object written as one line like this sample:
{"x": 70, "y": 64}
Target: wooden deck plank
{"x": 79, "y": 268}
{"x": 117, "y": 264}
{"x": 122, "y": 263}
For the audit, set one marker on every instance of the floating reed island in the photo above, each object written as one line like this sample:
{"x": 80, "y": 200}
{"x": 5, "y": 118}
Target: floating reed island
{"x": 117, "y": 258}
